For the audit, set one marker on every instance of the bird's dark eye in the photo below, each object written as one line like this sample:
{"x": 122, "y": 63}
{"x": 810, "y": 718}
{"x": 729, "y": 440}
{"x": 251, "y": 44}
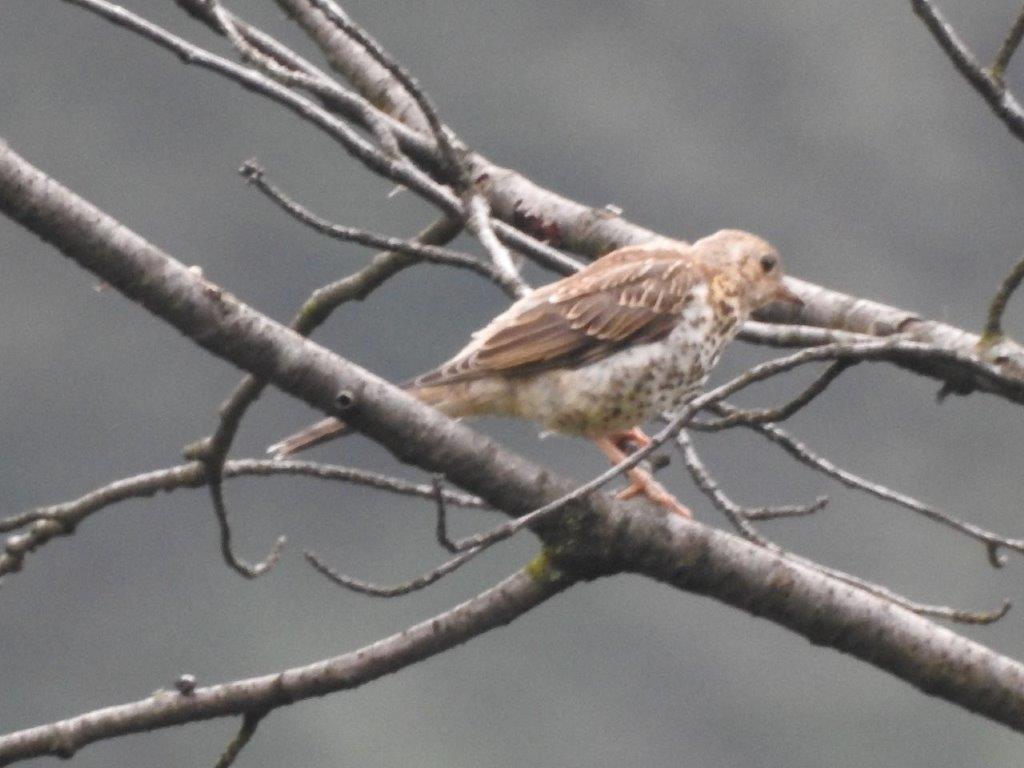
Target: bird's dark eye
{"x": 768, "y": 263}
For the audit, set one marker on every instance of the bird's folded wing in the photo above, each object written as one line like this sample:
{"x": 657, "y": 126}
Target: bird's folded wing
{"x": 631, "y": 296}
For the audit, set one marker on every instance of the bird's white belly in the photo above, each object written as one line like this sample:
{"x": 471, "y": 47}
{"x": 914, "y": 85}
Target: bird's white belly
{"x": 629, "y": 386}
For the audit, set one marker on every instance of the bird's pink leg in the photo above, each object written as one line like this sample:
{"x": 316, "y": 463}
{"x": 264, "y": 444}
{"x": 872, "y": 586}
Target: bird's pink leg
{"x": 641, "y": 481}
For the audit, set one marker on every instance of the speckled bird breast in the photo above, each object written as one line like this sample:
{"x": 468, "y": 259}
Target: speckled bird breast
{"x": 636, "y": 383}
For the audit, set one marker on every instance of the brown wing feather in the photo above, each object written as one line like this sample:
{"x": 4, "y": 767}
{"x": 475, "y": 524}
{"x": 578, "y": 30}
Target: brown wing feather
{"x": 631, "y": 295}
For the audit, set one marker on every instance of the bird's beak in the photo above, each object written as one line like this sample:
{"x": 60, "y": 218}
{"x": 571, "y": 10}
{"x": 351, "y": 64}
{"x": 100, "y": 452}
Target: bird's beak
{"x": 785, "y": 296}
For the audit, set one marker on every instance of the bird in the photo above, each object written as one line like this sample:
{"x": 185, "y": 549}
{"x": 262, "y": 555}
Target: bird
{"x": 632, "y": 335}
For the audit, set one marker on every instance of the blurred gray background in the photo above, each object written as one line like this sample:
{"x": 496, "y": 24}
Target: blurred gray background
{"x": 838, "y": 130}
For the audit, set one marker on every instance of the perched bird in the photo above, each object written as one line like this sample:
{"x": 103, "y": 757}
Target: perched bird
{"x": 632, "y": 335}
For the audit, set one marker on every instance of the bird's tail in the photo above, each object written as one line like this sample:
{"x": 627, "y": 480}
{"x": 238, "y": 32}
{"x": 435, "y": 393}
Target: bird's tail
{"x": 330, "y": 428}
{"x": 321, "y": 432}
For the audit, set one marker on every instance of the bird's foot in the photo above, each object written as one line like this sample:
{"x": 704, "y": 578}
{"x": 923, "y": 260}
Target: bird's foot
{"x": 643, "y": 484}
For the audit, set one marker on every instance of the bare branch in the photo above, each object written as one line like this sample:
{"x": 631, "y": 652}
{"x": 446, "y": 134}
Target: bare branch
{"x": 46, "y": 523}
{"x": 480, "y": 224}
{"x": 287, "y": 67}
{"x": 783, "y": 412}
{"x": 1008, "y": 48}
{"x": 988, "y": 84}
{"x": 956, "y": 615}
{"x": 462, "y": 554}
{"x": 250, "y": 721}
{"x": 441, "y": 529}
{"x": 327, "y": 34}
{"x": 994, "y": 323}
{"x": 395, "y": 590}
{"x": 242, "y": 567}
{"x": 449, "y": 146}
{"x": 493, "y": 608}
{"x": 333, "y": 96}
{"x": 478, "y": 218}
{"x": 398, "y": 170}
{"x": 992, "y": 542}
{"x": 739, "y": 517}
{"x": 357, "y": 66}
{"x": 433, "y": 254}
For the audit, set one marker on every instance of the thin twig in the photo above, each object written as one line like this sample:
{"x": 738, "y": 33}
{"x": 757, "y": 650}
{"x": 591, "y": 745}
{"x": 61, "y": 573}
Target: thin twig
{"x": 45, "y": 523}
{"x": 238, "y": 565}
{"x": 441, "y": 529}
{"x": 394, "y": 590}
{"x": 733, "y": 512}
{"x": 479, "y": 223}
{"x": 957, "y": 615}
{"x": 433, "y": 254}
{"x": 795, "y": 448}
{"x": 994, "y": 324}
{"x": 290, "y": 69}
{"x": 991, "y": 88}
{"x": 463, "y": 556}
{"x": 332, "y": 95}
{"x": 399, "y": 170}
{"x": 250, "y": 721}
{"x": 739, "y": 517}
{"x": 446, "y": 141}
{"x": 1008, "y": 48}
{"x": 783, "y": 412}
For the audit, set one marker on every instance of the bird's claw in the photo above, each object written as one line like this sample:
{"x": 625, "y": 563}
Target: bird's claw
{"x": 646, "y": 485}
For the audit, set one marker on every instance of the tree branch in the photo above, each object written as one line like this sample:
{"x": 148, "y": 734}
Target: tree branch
{"x": 987, "y": 83}
{"x": 591, "y": 537}
{"x": 46, "y": 523}
{"x": 493, "y": 608}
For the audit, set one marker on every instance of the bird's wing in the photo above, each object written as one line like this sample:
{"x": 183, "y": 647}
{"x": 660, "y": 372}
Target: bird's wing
{"x": 633, "y": 295}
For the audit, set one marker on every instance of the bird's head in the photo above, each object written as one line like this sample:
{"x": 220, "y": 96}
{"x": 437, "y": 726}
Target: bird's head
{"x": 749, "y": 263}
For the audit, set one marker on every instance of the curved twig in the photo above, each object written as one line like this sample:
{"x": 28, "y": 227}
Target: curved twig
{"x": 988, "y": 84}
{"x": 994, "y": 322}
{"x": 45, "y": 523}
{"x": 433, "y": 254}
{"x": 991, "y": 541}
